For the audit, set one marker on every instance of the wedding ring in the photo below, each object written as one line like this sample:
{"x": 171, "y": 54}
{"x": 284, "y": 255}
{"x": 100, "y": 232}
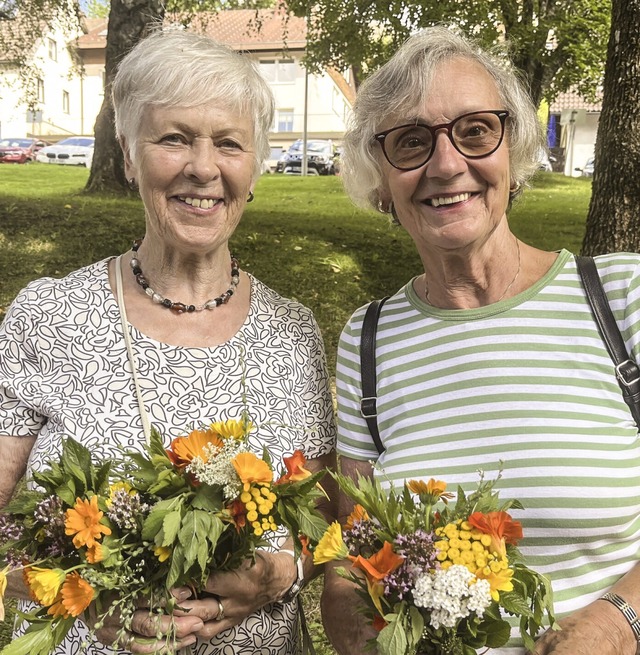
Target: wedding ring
{"x": 220, "y": 614}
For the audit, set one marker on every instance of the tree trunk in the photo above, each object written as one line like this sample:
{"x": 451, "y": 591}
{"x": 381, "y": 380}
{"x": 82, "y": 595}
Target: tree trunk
{"x": 129, "y": 21}
{"x": 613, "y": 222}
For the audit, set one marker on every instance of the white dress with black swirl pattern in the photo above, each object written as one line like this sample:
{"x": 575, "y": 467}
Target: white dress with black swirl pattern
{"x": 64, "y": 371}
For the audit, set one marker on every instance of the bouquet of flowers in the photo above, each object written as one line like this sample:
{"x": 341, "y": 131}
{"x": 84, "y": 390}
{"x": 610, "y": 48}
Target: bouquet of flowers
{"x": 114, "y": 533}
{"x": 439, "y": 577}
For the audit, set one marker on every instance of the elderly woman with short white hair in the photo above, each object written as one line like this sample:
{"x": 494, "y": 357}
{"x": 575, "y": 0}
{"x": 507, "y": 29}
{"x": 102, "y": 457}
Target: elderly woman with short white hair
{"x": 174, "y": 333}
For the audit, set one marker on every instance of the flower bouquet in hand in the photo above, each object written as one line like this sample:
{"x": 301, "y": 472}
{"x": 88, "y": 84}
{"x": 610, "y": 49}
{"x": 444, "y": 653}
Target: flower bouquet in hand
{"x": 437, "y": 578}
{"x": 120, "y": 535}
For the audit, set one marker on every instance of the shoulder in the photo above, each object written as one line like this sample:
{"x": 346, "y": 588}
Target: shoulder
{"x": 49, "y": 295}
{"x": 265, "y": 298}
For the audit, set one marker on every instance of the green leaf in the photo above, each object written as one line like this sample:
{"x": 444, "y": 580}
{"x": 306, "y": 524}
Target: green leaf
{"x": 175, "y": 577}
{"x": 498, "y": 632}
{"x": 207, "y": 498}
{"x": 170, "y": 527}
{"x": 392, "y": 639}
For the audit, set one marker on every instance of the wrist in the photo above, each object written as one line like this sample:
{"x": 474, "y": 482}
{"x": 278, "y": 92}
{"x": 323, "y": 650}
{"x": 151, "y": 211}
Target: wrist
{"x": 626, "y": 612}
{"x": 297, "y": 583}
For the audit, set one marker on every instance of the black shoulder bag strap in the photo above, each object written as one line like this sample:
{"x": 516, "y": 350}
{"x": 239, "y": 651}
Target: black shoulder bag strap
{"x": 368, "y": 370}
{"x": 627, "y": 371}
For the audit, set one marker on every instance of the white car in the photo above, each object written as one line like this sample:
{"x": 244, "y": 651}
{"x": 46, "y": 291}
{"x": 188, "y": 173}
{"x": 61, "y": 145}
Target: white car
{"x": 74, "y": 151}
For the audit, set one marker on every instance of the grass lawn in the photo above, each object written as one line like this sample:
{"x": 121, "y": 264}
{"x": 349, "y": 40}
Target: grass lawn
{"x": 302, "y": 237}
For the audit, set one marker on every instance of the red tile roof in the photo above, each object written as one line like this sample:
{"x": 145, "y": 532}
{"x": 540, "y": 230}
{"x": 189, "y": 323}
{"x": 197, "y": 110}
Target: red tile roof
{"x": 573, "y": 100}
{"x": 241, "y": 29}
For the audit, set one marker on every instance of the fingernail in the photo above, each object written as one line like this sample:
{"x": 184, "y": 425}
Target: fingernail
{"x": 183, "y": 594}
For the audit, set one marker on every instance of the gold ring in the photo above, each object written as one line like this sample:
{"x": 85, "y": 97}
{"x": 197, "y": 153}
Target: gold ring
{"x": 220, "y": 614}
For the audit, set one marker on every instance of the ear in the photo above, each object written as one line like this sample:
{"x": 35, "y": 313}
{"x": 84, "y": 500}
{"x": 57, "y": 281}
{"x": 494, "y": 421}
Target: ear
{"x": 129, "y": 168}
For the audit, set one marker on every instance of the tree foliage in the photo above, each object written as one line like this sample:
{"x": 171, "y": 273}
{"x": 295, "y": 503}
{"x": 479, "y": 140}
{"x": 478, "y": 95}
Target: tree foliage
{"x": 554, "y": 43}
{"x": 613, "y": 223}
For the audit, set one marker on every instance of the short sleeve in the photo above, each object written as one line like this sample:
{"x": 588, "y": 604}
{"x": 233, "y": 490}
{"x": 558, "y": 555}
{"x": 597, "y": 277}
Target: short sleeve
{"x": 320, "y": 429}
{"x": 20, "y": 371}
{"x": 354, "y": 438}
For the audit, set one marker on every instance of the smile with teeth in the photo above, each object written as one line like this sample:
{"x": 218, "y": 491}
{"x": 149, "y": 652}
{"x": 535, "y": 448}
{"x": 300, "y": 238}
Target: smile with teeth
{"x": 202, "y": 203}
{"x": 449, "y": 200}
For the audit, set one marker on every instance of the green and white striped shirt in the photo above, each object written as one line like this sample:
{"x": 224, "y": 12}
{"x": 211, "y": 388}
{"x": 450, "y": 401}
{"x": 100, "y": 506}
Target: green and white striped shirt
{"x": 526, "y": 381}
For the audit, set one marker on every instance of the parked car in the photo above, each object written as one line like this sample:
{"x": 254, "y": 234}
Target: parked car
{"x": 20, "y": 151}
{"x": 545, "y": 160}
{"x": 74, "y": 151}
{"x": 321, "y": 158}
{"x": 587, "y": 169}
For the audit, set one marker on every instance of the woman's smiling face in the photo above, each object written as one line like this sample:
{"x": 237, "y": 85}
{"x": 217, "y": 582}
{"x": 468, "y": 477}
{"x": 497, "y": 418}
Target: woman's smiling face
{"x": 452, "y": 202}
{"x": 194, "y": 168}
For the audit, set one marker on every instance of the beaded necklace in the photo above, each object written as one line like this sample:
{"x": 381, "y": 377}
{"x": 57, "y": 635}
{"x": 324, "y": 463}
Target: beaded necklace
{"x": 179, "y": 307}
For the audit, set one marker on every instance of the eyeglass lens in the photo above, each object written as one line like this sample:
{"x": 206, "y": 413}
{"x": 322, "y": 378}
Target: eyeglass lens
{"x": 474, "y": 135}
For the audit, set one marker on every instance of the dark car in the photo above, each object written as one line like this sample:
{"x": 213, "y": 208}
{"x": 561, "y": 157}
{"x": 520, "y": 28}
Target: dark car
{"x": 321, "y": 158}
{"x": 20, "y": 151}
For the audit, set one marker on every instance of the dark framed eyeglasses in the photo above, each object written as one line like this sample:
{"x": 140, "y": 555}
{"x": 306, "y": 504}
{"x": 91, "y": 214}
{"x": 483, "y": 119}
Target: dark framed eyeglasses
{"x": 475, "y": 135}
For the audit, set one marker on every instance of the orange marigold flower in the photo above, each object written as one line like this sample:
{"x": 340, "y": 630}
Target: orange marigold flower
{"x": 58, "y": 609}
{"x": 295, "y": 468}
{"x": 436, "y": 489}
{"x": 183, "y": 449}
{"x": 304, "y": 540}
{"x": 83, "y": 521}
{"x": 359, "y": 513}
{"x": 77, "y": 594}
{"x": 251, "y": 469}
{"x": 380, "y": 564}
{"x": 500, "y": 527}
{"x": 95, "y": 553}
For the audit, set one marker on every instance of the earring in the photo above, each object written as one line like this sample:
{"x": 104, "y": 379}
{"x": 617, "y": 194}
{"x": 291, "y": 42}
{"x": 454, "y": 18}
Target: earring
{"x": 394, "y": 216}
{"x": 132, "y": 182}
{"x": 381, "y": 208}
{"x": 251, "y": 197}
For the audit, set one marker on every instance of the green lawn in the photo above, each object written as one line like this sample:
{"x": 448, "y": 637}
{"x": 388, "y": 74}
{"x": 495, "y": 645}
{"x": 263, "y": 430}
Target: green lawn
{"x": 302, "y": 237}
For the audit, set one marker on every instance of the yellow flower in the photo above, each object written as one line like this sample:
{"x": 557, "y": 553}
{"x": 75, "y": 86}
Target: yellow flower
{"x": 3, "y": 588}
{"x": 45, "y": 583}
{"x": 162, "y": 553}
{"x": 232, "y": 429}
{"x": 83, "y": 521}
{"x": 251, "y": 469}
{"x": 498, "y": 580}
{"x": 331, "y": 546}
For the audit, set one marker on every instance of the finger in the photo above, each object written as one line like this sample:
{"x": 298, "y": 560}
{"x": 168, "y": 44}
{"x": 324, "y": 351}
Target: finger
{"x": 147, "y": 646}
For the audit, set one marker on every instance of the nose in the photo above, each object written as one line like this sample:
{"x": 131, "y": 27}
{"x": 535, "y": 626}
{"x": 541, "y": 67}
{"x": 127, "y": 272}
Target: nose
{"x": 446, "y": 161}
{"x": 203, "y": 161}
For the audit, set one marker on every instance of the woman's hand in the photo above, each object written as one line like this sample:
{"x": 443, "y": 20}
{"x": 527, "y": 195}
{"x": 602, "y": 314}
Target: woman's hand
{"x": 150, "y": 632}
{"x": 597, "y": 628}
{"x": 234, "y": 595}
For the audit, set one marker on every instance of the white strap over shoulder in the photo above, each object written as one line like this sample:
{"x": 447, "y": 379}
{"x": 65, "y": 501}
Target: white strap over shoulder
{"x": 146, "y": 424}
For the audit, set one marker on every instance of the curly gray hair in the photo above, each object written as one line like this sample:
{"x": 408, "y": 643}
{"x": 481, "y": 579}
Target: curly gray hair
{"x": 403, "y": 83}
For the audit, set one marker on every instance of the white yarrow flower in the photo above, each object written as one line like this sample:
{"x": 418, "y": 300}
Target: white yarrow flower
{"x": 451, "y": 594}
{"x": 218, "y": 469}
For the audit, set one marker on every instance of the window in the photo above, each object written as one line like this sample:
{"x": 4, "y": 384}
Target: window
{"x": 284, "y": 120}
{"x": 53, "y": 50}
{"x": 278, "y": 70}
{"x": 40, "y": 89}
{"x": 65, "y": 102}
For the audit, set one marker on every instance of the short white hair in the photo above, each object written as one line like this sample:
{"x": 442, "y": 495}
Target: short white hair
{"x": 176, "y": 68}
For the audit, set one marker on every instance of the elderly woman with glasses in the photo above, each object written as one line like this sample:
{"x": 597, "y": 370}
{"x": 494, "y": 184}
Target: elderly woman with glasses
{"x": 489, "y": 358}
